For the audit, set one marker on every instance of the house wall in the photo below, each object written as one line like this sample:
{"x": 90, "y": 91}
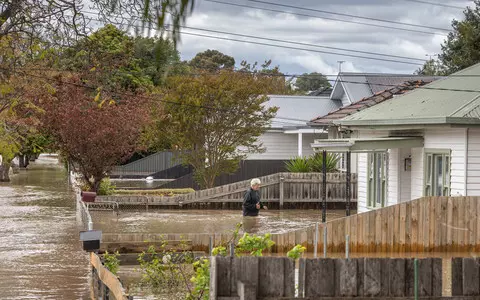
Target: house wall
{"x": 281, "y": 146}
{"x": 405, "y": 176}
{"x": 362, "y": 161}
{"x": 441, "y": 138}
{"x": 473, "y": 162}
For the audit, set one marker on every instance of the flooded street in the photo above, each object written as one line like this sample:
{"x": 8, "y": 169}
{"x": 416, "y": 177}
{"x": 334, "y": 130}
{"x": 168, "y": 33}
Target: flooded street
{"x": 206, "y": 221}
{"x": 40, "y": 256}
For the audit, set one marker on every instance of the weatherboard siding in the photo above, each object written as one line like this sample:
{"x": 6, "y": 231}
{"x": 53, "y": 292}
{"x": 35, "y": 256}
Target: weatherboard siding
{"x": 453, "y": 139}
{"x": 362, "y": 167}
{"x": 281, "y": 146}
{"x": 473, "y": 166}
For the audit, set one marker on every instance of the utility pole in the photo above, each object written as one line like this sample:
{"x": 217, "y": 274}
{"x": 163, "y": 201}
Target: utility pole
{"x": 340, "y": 62}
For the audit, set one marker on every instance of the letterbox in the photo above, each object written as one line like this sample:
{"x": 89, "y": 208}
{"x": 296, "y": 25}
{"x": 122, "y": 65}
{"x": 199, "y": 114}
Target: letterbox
{"x": 88, "y": 196}
{"x": 91, "y": 240}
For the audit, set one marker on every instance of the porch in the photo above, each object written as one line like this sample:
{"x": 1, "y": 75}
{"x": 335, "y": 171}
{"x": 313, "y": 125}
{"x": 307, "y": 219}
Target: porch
{"x": 384, "y": 167}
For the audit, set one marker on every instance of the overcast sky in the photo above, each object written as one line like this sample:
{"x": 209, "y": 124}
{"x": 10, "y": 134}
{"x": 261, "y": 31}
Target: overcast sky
{"x": 284, "y": 26}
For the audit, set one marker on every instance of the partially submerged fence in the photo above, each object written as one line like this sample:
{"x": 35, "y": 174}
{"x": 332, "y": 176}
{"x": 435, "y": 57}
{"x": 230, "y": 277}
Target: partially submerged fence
{"x": 281, "y": 189}
{"x": 148, "y": 165}
{"x": 422, "y": 225}
{"x": 362, "y": 278}
{"x": 105, "y": 285}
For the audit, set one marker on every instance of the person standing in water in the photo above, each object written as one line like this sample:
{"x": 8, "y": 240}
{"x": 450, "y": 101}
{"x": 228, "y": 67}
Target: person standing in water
{"x": 251, "y": 199}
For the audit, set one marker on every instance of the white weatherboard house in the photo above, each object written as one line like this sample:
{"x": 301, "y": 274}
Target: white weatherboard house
{"x": 423, "y": 143}
{"x": 289, "y": 135}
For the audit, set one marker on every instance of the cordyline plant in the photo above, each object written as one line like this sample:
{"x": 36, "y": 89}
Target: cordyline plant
{"x": 95, "y": 130}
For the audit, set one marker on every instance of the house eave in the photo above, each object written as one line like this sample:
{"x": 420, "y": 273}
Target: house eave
{"x": 406, "y": 122}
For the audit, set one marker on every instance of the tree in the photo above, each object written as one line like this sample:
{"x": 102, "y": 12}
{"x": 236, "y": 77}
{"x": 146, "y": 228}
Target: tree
{"x": 462, "y": 47}
{"x": 217, "y": 120}
{"x": 94, "y": 129}
{"x": 311, "y": 82}
{"x": 212, "y": 60}
{"x": 430, "y": 68}
{"x": 157, "y": 57}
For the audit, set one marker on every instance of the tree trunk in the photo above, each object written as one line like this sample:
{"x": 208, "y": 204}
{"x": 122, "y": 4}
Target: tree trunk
{"x": 4, "y": 172}
{"x": 23, "y": 161}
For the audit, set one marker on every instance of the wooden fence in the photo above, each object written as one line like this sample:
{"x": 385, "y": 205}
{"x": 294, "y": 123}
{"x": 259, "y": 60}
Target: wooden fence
{"x": 278, "y": 188}
{"x": 423, "y": 225}
{"x": 105, "y": 285}
{"x": 361, "y": 278}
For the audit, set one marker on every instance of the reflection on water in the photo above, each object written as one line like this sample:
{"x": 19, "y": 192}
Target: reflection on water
{"x": 40, "y": 256}
{"x": 206, "y": 221}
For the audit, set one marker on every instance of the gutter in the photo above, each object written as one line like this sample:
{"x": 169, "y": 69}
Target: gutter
{"x": 416, "y": 121}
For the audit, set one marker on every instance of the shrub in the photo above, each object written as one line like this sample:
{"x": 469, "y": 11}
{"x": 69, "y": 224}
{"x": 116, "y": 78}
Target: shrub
{"x": 316, "y": 162}
{"x": 106, "y": 187}
{"x": 254, "y": 244}
{"x": 313, "y": 163}
{"x": 296, "y": 252}
{"x": 298, "y": 165}
{"x": 111, "y": 262}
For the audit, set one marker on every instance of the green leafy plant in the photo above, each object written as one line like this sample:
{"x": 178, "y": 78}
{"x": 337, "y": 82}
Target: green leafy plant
{"x": 316, "y": 162}
{"x": 220, "y": 250}
{"x": 254, "y": 244}
{"x": 296, "y": 252}
{"x": 111, "y": 261}
{"x": 106, "y": 187}
{"x": 298, "y": 165}
{"x": 201, "y": 281}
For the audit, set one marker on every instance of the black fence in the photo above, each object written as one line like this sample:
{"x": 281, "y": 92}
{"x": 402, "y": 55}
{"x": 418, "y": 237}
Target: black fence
{"x": 247, "y": 169}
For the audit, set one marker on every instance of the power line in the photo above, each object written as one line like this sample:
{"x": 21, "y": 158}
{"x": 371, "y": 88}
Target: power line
{"x": 436, "y": 4}
{"x": 288, "y": 47}
{"x": 285, "y": 41}
{"x": 348, "y": 15}
{"x": 326, "y": 18}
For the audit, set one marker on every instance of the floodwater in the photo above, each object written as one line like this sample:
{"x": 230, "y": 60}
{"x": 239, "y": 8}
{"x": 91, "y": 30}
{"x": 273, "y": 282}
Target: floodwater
{"x": 40, "y": 255}
{"x": 137, "y": 183}
{"x": 205, "y": 221}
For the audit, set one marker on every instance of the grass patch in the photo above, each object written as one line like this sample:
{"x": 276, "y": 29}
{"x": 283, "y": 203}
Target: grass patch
{"x": 157, "y": 192}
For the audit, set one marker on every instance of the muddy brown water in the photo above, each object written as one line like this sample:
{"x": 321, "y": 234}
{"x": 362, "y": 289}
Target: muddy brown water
{"x": 40, "y": 255}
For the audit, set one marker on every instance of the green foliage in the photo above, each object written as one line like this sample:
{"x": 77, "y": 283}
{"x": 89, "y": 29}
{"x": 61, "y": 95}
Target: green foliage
{"x": 227, "y": 126}
{"x": 111, "y": 261}
{"x": 462, "y": 47}
{"x": 212, "y": 60}
{"x": 219, "y": 251}
{"x": 316, "y": 162}
{"x": 201, "y": 281}
{"x": 296, "y": 252}
{"x": 161, "y": 273}
{"x": 298, "y": 165}
{"x": 106, "y": 187}
{"x": 311, "y": 82}
{"x": 313, "y": 163}
{"x": 254, "y": 244}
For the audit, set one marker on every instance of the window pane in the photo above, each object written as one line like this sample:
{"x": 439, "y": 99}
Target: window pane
{"x": 447, "y": 170}
{"x": 438, "y": 176}
{"x": 378, "y": 178}
{"x": 429, "y": 169}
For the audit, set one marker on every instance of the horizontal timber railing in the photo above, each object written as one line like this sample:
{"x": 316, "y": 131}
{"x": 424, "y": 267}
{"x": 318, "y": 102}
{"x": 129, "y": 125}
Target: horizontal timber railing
{"x": 105, "y": 285}
{"x": 278, "y": 188}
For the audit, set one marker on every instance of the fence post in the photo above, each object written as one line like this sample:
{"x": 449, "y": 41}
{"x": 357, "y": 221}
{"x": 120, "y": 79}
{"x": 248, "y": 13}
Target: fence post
{"x": 324, "y": 186}
{"x": 325, "y": 242}
{"x": 282, "y": 180}
{"x": 315, "y": 241}
{"x": 415, "y": 272}
{"x": 210, "y": 246}
{"x": 348, "y": 187}
{"x": 232, "y": 249}
{"x": 347, "y": 246}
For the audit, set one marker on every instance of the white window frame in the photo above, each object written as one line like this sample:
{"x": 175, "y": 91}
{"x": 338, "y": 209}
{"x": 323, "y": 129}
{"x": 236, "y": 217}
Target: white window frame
{"x": 377, "y": 190}
{"x": 430, "y": 171}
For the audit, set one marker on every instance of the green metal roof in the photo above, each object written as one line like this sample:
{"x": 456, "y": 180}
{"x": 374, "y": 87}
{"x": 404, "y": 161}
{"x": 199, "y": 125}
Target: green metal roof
{"x": 452, "y": 100}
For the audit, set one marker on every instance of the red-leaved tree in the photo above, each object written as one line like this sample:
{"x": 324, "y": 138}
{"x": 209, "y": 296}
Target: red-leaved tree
{"x": 95, "y": 130}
